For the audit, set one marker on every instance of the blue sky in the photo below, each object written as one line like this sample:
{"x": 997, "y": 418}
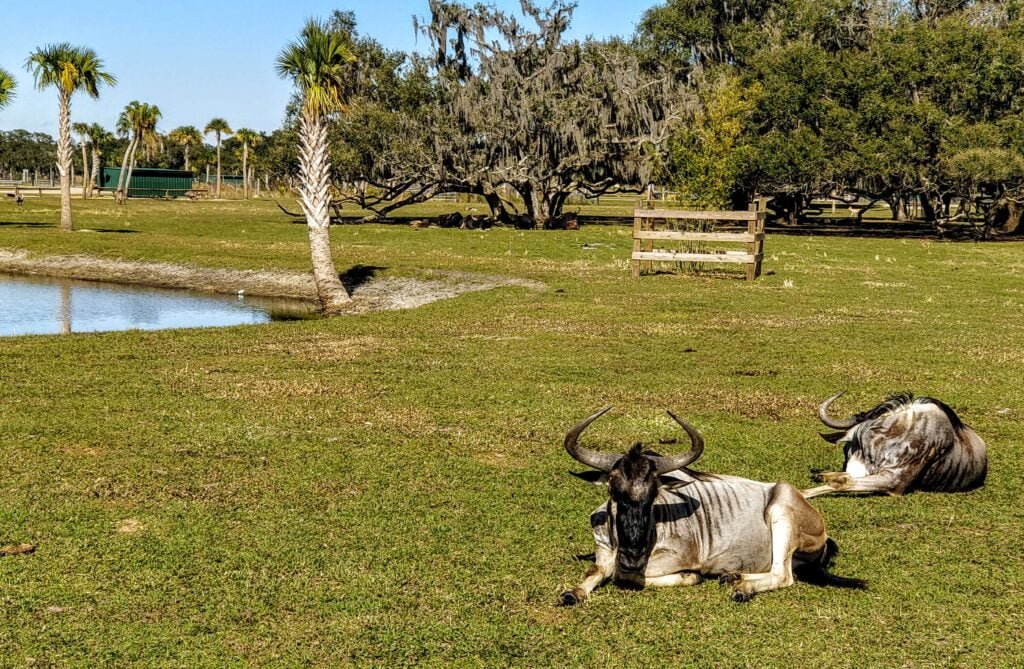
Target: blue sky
{"x": 197, "y": 59}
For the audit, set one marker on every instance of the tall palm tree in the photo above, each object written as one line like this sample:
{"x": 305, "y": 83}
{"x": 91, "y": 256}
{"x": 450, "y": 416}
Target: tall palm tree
{"x": 82, "y": 130}
{"x": 248, "y": 138}
{"x": 98, "y": 136}
{"x": 317, "y": 63}
{"x": 218, "y": 127}
{"x": 70, "y": 69}
{"x": 146, "y": 137}
{"x": 7, "y": 87}
{"x": 138, "y": 122}
{"x": 187, "y": 136}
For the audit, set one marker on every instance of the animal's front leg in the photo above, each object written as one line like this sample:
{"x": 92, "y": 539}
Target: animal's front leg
{"x": 794, "y": 525}
{"x": 744, "y": 586}
{"x": 597, "y": 573}
{"x": 682, "y": 578}
{"x": 887, "y": 481}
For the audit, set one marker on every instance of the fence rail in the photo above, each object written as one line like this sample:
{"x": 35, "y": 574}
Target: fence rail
{"x": 644, "y": 236}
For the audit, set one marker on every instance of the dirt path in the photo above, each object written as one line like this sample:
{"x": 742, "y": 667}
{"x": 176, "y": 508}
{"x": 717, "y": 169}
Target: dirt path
{"x": 370, "y": 295}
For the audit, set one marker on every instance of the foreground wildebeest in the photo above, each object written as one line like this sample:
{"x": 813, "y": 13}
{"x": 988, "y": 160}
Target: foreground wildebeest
{"x": 666, "y": 525}
{"x": 903, "y": 444}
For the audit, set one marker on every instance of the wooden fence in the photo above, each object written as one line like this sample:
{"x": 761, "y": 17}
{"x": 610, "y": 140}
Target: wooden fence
{"x": 645, "y": 235}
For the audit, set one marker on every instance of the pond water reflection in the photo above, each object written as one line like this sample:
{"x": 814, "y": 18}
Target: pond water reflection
{"x": 43, "y": 305}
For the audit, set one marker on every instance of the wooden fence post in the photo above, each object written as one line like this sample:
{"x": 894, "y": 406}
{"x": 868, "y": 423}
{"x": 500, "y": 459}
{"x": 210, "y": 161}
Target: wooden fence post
{"x": 636, "y": 246}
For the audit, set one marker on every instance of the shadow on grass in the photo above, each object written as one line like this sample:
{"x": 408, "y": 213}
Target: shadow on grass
{"x": 886, "y": 229}
{"x": 20, "y": 224}
{"x": 111, "y": 230}
{"x": 356, "y": 276}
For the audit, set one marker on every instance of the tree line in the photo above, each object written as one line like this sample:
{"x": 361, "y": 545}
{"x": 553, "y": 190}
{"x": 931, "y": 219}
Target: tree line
{"x": 915, "y": 104}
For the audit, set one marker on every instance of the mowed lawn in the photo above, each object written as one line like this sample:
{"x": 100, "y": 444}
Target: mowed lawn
{"x": 390, "y": 488}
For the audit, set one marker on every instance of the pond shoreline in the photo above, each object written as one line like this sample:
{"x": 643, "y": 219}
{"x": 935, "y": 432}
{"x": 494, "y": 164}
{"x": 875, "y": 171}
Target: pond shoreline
{"x": 382, "y": 294}
{"x": 263, "y": 283}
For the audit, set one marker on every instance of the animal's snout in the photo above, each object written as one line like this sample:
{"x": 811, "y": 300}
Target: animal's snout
{"x": 632, "y": 562}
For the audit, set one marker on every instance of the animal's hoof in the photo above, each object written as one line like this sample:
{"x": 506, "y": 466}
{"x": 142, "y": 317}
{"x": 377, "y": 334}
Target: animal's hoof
{"x": 568, "y": 598}
{"x": 818, "y": 475}
{"x": 730, "y": 578}
{"x": 742, "y": 597}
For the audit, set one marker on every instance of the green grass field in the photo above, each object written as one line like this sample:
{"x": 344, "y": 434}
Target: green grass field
{"x": 390, "y": 488}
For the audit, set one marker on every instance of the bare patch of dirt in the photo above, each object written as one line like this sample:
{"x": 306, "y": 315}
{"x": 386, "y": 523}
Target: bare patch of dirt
{"x": 130, "y": 526}
{"x": 17, "y": 549}
{"x": 373, "y": 295}
{"x": 409, "y": 293}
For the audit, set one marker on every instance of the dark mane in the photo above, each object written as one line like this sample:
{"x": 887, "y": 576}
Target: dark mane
{"x": 890, "y": 404}
{"x": 897, "y": 401}
{"x": 950, "y": 414}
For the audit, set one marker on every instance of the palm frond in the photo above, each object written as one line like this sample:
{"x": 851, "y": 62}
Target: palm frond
{"x": 69, "y": 68}
{"x": 318, "y": 64}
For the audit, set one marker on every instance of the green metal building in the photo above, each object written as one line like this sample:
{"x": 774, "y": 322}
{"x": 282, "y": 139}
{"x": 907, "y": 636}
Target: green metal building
{"x": 149, "y": 182}
{"x": 226, "y": 179}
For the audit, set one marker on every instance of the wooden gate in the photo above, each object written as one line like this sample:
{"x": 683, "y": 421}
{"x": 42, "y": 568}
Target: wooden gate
{"x": 645, "y": 234}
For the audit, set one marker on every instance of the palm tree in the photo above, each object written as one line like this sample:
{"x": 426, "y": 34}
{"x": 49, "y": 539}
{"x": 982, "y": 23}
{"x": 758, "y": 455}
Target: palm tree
{"x": 98, "y": 136}
{"x": 82, "y": 130}
{"x": 317, "y": 64}
{"x": 69, "y": 68}
{"x": 218, "y": 127}
{"x": 248, "y": 138}
{"x": 186, "y": 136}
{"x": 146, "y": 137}
{"x": 7, "y": 87}
{"x": 137, "y": 121}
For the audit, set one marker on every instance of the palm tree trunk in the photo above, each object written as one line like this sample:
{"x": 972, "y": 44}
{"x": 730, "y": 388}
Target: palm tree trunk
{"x": 64, "y": 161}
{"x": 187, "y": 169}
{"x": 218, "y": 164}
{"x": 131, "y": 168}
{"x": 315, "y": 196}
{"x": 85, "y": 171}
{"x": 245, "y": 171}
{"x": 94, "y": 181}
{"x": 124, "y": 164}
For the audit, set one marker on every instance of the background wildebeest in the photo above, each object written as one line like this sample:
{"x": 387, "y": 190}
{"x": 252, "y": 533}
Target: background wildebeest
{"x": 903, "y": 444}
{"x": 666, "y": 525}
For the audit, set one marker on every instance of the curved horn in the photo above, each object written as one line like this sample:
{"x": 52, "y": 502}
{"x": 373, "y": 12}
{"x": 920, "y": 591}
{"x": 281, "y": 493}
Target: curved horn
{"x": 664, "y": 465}
{"x": 600, "y": 461}
{"x": 832, "y": 422}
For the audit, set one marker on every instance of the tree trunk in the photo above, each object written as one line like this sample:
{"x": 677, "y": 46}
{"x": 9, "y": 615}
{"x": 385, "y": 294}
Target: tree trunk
{"x": 894, "y": 207}
{"x": 131, "y": 168}
{"x": 64, "y": 161}
{"x": 536, "y": 207}
{"x": 497, "y": 206}
{"x": 315, "y": 196}
{"x": 187, "y": 168}
{"x": 927, "y": 208}
{"x": 218, "y": 164}
{"x": 245, "y": 171}
{"x": 1005, "y": 218}
{"x": 85, "y": 171}
{"x": 94, "y": 181}
{"x": 120, "y": 191}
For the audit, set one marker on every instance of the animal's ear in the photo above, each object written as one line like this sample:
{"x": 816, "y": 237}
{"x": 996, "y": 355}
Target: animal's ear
{"x": 832, "y": 437}
{"x": 593, "y": 476}
{"x": 672, "y": 483}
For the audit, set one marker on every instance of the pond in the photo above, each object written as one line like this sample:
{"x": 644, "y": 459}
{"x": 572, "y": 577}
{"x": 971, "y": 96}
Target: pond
{"x": 38, "y": 305}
